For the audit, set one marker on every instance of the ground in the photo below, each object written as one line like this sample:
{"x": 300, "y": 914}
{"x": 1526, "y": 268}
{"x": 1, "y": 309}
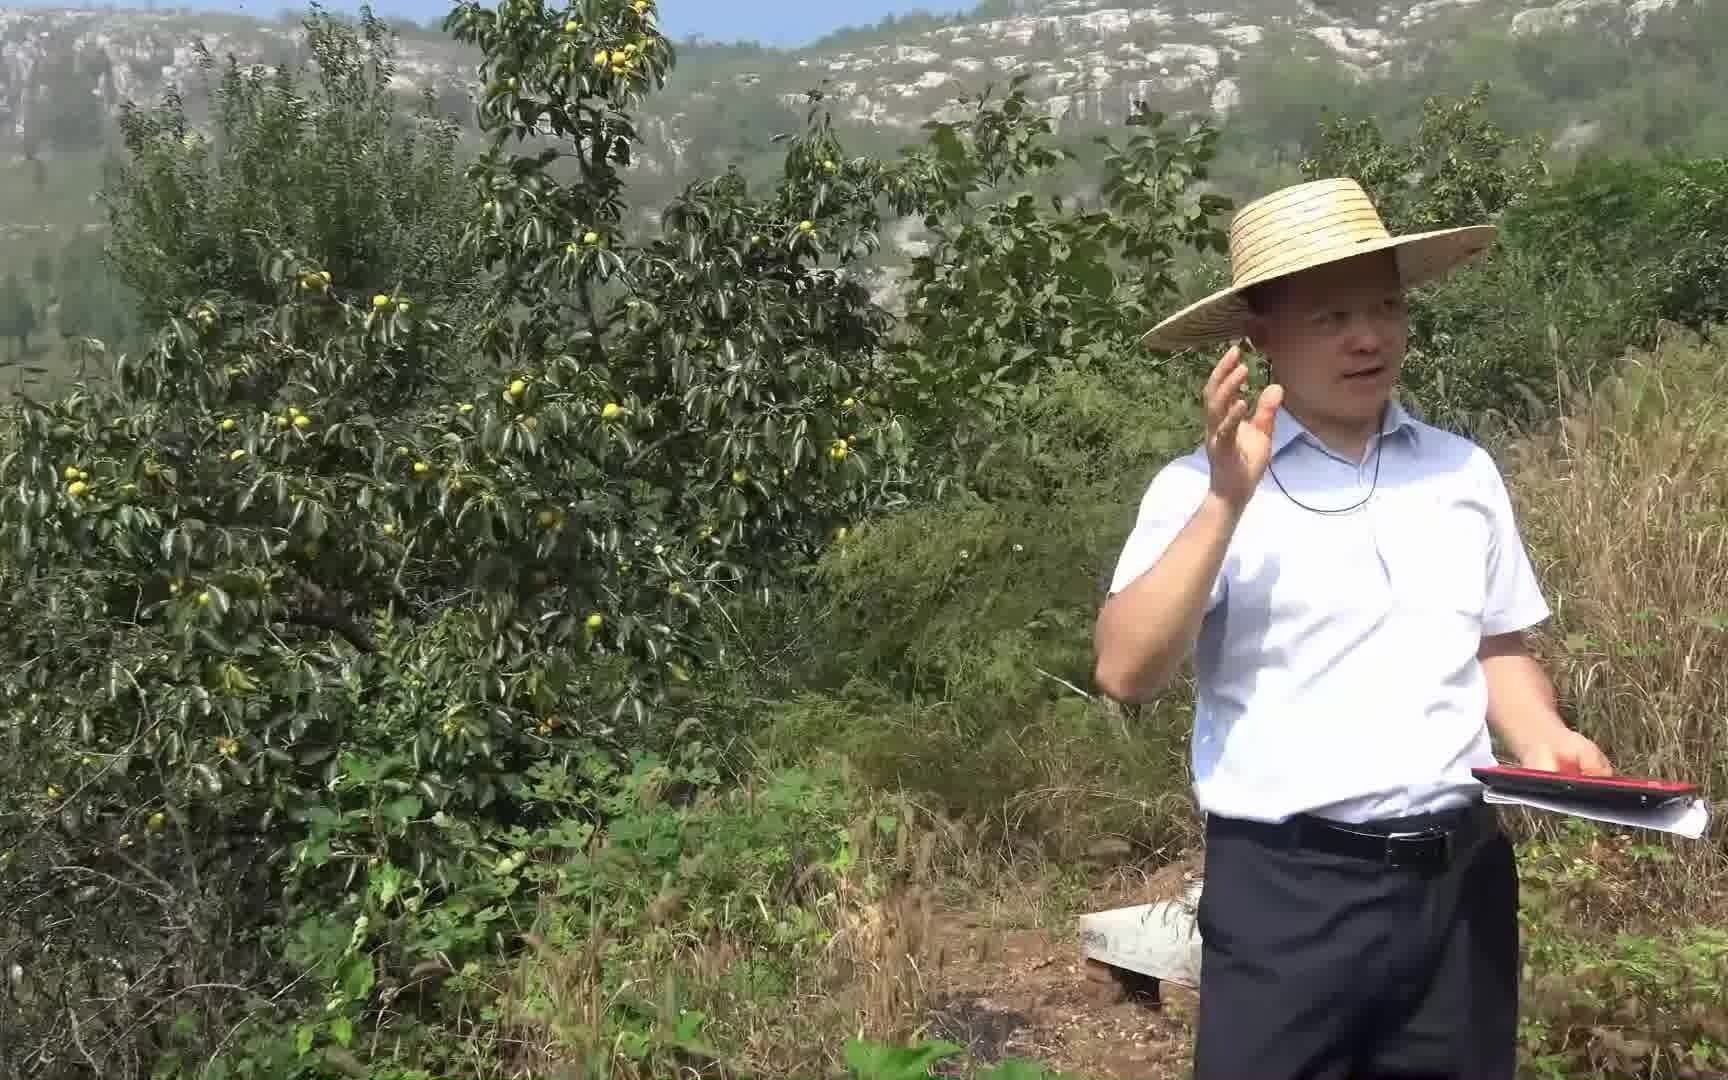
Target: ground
{"x": 1028, "y": 993}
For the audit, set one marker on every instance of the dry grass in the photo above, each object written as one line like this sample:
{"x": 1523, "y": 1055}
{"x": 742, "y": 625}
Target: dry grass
{"x": 1626, "y": 505}
{"x": 771, "y": 1009}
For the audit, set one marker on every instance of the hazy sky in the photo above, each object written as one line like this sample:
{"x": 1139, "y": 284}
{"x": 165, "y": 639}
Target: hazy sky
{"x": 772, "y": 22}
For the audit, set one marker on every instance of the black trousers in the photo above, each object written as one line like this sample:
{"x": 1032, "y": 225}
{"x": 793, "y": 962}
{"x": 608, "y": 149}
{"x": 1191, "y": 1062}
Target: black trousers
{"x": 1323, "y": 961}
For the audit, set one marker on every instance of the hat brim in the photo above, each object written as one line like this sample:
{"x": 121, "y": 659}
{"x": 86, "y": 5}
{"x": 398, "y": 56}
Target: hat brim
{"x": 1223, "y": 316}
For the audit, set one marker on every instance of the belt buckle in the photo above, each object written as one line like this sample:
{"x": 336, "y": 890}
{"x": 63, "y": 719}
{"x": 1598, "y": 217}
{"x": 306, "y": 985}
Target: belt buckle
{"x": 1415, "y": 844}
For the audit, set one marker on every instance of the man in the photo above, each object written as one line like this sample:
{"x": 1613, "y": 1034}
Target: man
{"x": 1354, "y": 590}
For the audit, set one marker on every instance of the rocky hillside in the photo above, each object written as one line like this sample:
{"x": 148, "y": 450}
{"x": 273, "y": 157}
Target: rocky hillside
{"x": 63, "y": 73}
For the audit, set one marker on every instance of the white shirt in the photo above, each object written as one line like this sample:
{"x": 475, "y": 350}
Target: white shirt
{"x": 1337, "y": 662}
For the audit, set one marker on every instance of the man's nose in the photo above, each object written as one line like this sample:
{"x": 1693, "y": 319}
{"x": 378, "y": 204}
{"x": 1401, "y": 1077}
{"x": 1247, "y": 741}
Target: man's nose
{"x": 1364, "y": 333}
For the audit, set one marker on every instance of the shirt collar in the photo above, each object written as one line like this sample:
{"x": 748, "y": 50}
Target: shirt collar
{"x": 1286, "y": 429}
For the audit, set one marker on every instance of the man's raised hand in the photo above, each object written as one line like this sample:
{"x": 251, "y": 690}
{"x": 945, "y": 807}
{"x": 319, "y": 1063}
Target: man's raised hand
{"x": 1239, "y": 452}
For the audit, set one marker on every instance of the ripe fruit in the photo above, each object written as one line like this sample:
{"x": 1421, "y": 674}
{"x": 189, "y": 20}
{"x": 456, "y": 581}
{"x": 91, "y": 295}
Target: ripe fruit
{"x": 380, "y": 302}
{"x": 282, "y": 422}
{"x": 830, "y": 167}
{"x": 403, "y": 306}
{"x": 237, "y": 456}
{"x": 390, "y": 528}
{"x": 203, "y": 599}
{"x": 596, "y": 621}
{"x": 302, "y": 422}
{"x": 77, "y": 488}
{"x": 465, "y": 408}
{"x": 841, "y": 533}
{"x": 230, "y": 424}
{"x": 571, "y": 26}
{"x": 71, "y": 473}
{"x": 806, "y": 227}
{"x": 849, "y": 403}
{"x": 740, "y": 476}
{"x": 839, "y": 450}
{"x": 590, "y": 238}
{"x": 518, "y": 388}
{"x": 54, "y": 791}
{"x": 611, "y": 411}
{"x": 157, "y": 822}
{"x": 421, "y": 468}
{"x": 602, "y": 58}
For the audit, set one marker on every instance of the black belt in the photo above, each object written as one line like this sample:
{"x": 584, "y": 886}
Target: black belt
{"x": 1428, "y": 842}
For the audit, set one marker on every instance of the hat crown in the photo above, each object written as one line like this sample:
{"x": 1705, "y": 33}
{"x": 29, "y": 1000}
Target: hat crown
{"x": 1301, "y": 225}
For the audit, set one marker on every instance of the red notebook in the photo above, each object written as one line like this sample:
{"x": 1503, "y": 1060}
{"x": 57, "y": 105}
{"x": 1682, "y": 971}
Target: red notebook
{"x": 1606, "y": 791}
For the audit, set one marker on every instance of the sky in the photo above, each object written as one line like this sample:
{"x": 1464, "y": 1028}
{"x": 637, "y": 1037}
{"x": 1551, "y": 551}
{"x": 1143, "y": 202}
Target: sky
{"x": 771, "y": 22}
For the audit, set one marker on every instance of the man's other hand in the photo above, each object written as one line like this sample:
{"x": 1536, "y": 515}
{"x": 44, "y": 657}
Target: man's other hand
{"x": 1566, "y": 751}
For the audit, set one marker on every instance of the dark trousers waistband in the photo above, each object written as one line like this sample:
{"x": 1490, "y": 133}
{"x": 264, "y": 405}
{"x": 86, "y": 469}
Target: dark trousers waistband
{"x": 1421, "y": 842}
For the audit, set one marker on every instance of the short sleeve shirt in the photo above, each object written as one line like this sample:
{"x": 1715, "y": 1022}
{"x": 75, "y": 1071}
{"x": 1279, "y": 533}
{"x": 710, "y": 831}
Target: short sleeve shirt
{"x": 1337, "y": 661}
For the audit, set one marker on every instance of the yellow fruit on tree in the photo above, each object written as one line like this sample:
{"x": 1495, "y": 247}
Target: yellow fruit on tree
{"x": 282, "y": 422}
{"x": 602, "y": 58}
{"x": 611, "y": 411}
{"x": 839, "y": 450}
{"x": 380, "y": 301}
{"x": 740, "y": 476}
{"x": 77, "y": 488}
{"x": 465, "y": 408}
{"x": 157, "y": 822}
{"x": 203, "y": 599}
{"x": 590, "y": 238}
{"x": 302, "y": 421}
{"x": 230, "y": 424}
{"x": 830, "y": 167}
{"x": 596, "y": 621}
{"x": 54, "y": 791}
{"x": 421, "y": 468}
{"x": 849, "y": 403}
{"x": 806, "y": 227}
{"x": 390, "y": 528}
{"x": 70, "y": 473}
{"x": 238, "y": 455}
{"x": 571, "y": 26}
{"x": 518, "y": 388}
{"x": 404, "y": 306}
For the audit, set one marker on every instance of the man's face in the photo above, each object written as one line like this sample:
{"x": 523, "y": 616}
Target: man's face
{"x": 1335, "y": 336}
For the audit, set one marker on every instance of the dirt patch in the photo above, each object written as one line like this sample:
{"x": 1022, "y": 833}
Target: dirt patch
{"x": 1029, "y": 994}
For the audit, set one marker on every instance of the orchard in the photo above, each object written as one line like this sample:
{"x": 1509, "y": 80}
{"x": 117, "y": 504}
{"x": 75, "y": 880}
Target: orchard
{"x": 437, "y": 494}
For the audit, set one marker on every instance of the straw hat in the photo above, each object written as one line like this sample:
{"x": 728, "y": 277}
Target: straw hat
{"x": 1301, "y": 227}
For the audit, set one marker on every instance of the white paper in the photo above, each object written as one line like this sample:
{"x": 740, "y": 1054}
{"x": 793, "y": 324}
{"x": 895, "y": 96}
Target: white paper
{"x": 1681, "y": 817}
{"x": 1158, "y": 940}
